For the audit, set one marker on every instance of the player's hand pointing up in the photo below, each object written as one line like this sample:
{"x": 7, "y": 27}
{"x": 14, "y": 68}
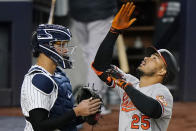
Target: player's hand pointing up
{"x": 122, "y": 19}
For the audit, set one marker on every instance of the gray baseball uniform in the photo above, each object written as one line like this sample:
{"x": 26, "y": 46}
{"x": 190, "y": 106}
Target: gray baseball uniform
{"x": 131, "y": 119}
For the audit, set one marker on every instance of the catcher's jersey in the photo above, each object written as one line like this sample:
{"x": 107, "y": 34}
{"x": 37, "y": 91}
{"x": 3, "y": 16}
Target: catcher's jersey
{"x": 37, "y": 94}
{"x": 131, "y": 119}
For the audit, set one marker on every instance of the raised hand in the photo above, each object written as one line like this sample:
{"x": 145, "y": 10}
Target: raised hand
{"x": 122, "y": 19}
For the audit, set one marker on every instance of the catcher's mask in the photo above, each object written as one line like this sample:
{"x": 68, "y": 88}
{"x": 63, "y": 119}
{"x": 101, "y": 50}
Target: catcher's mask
{"x": 54, "y": 42}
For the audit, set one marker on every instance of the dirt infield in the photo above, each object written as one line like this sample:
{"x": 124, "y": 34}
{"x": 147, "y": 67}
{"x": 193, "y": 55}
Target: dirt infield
{"x": 183, "y": 119}
{"x": 10, "y": 111}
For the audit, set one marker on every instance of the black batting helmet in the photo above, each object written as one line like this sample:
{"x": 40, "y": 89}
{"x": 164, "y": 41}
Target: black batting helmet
{"x": 168, "y": 59}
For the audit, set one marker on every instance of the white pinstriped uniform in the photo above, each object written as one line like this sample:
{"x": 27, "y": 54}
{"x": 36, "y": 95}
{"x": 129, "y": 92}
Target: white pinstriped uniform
{"x": 131, "y": 119}
{"x": 32, "y": 97}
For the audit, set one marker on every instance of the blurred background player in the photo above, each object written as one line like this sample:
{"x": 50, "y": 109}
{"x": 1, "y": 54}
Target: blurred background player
{"x": 167, "y": 30}
{"x": 46, "y": 94}
{"x": 146, "y": 104}
{"x": 91, "y": 21}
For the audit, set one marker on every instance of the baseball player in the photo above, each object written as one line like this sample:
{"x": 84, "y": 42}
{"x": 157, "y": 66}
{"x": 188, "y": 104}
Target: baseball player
{"x": 146, "y": 104}
{"x": 46, "y": 93}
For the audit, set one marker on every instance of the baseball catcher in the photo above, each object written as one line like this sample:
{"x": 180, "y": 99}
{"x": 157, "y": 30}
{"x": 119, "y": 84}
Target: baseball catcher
{"x": 46, "y": 94}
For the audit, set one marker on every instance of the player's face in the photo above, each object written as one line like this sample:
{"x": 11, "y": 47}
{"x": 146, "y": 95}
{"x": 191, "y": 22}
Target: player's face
{"x": 64, "y": 48}
{"x": 61, "y": 47}
{"x": 151, "y": 65}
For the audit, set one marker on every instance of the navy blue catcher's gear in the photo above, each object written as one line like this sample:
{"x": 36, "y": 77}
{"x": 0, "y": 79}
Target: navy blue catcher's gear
{"x": 46, "y": 36}
{"x": 64, "y": 101}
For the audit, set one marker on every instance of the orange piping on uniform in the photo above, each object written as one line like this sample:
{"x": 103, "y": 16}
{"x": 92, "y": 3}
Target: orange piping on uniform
{"x": 96, "y": 71}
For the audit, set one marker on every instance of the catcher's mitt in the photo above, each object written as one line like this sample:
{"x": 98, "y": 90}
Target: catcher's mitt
{"x": 86, "y": 93}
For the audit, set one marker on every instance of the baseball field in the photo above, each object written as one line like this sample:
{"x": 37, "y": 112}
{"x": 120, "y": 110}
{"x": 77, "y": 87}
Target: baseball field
{"x": 183, "y": 118}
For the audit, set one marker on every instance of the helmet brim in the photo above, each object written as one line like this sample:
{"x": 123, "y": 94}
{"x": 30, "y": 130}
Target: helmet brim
{"x": 150, "y": 50}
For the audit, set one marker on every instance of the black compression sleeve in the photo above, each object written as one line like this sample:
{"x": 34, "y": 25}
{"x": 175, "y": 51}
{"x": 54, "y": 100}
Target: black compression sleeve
{"x": 40, "y": 122}
{"x": 104, "y": 54}
{"x": 145, "y": 104}
{"x": 73, "y": 123}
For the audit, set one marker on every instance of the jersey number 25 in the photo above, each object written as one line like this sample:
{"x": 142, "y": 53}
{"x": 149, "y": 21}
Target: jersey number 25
{"x": 145, "y": 124}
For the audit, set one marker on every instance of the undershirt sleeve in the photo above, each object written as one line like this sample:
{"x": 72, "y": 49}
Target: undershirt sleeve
{"x": 40, "y": 122}
{"x": 104, "y": 54}
{"x": 147, "y": 105}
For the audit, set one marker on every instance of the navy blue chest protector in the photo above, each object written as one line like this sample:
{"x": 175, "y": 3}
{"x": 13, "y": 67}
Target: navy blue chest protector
{"x": 65, "y": 100}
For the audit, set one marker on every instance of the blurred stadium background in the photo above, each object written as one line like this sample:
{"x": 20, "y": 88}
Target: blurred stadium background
{"x": 166, "y": 24}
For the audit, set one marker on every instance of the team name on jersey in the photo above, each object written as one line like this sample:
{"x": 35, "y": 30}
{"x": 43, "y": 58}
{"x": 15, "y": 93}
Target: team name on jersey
{"x": 127, "y": 104}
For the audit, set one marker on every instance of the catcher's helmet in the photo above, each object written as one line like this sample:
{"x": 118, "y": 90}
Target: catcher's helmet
{"x": 44, "y": 39}
{"x": 169, "y": 60}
